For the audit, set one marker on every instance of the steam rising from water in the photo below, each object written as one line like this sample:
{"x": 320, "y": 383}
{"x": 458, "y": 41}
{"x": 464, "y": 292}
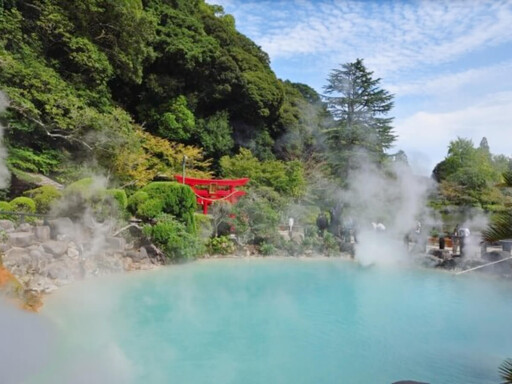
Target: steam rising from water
{"x": 4, "y": 172}
{"x": 394, "y": 197}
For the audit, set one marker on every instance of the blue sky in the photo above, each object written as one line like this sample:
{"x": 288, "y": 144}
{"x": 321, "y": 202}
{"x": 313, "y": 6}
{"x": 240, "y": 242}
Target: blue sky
{"x": 449, "y": 63}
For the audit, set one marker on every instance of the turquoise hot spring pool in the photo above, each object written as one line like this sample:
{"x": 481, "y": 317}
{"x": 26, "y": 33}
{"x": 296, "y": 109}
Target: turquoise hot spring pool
{"x": 279, "y": 321}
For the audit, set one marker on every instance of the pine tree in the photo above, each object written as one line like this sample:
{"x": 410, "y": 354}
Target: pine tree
{"x": 359, "y": 107}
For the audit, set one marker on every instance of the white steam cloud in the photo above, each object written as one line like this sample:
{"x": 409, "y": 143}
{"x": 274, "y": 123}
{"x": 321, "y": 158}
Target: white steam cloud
{"x": 393, "y": 197}
{"x": 4, "y": 172}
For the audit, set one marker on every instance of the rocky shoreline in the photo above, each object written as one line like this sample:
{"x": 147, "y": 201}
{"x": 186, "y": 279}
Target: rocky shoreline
{"x": 38, "y": 258}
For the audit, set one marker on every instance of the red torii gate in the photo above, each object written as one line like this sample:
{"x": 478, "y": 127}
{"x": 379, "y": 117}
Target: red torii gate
{"x": 215, "y": 190}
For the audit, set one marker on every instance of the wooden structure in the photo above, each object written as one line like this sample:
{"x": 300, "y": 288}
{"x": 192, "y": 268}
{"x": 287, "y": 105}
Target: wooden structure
{"x": 208, "y": 191}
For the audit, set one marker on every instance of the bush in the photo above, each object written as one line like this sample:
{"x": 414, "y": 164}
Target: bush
{"x": 170, "y": 198}
{"x": 83, "y": 187}
{"x": 23, "y": 204}
{"x": 150, "y": 209}
{"x": 221, "y": 245}
{"x": 120, "y": 196}
{"x": 267, "y": 249}
{"x": 44, "y": 197}
{"x": 330, "y": 244}
{"x": 6, "y": 207}
{"x": 135, "y": 200}
{"x": 174, "y": 239}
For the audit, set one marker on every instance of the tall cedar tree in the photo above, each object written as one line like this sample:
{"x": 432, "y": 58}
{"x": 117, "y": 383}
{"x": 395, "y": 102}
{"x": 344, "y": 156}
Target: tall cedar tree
{"x": 359, "y": 108}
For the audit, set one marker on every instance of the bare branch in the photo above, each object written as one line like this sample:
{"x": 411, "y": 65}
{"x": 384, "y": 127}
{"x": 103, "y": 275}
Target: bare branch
{"x": 45, "y": 128}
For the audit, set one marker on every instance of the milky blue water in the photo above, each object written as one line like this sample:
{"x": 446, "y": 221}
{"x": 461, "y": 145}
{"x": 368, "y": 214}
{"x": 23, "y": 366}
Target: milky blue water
{"x": 280, "y": 321}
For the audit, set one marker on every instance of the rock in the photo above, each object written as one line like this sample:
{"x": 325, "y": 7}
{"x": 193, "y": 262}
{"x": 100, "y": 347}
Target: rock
{"x": 21, "y": 239}
{"x": 57, "y": 271}
{"x": 109, "y": 264}
{"x": 6, "y": 225}
{"x": 73, "y": 253}
{"x": 17, "y": 261}
{"x": 59, "y": 226}
{"x": 16, "y": 255}
{"x": 24, "y": 227}
{"x": 41, "y": 284}
{"x": 116, "y": 243}
{"x": 42, "y": 232}
{"x": 138, "y": 256}
{"x": 55, "y": 247}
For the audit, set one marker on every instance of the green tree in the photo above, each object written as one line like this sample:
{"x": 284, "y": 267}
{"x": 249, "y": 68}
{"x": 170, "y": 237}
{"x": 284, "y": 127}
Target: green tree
{"x": 359, "y": 107}
{"x": 468, "y": 175}
{"x": 286, "y": 178}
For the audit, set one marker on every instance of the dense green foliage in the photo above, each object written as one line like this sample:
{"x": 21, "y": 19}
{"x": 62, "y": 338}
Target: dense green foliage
{"x": 287, "y": 178}
{"x": 44, "y": 197}
{"x": 221, "y": 245}
{"x": 84, "y": 76}
{"x": 170, "y": 198}
{"x": 471, "y": 176}
{"x": 175, "y": 239}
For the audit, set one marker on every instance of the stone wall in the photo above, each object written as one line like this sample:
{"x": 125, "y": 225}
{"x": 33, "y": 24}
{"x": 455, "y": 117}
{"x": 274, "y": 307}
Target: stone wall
{"x": 44, "y": 257}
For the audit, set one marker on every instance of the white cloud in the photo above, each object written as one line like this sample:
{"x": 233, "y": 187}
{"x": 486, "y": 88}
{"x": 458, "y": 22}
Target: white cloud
{"x": 392, "y": 36}
{"x": 451, "y": 82}
{"x": 491, "y": 118}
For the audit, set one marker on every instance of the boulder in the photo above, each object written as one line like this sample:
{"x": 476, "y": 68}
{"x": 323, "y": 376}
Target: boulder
{"x": 16, "y": 255}
{"x": 24, "y": 227}
{"x": 57, "y": 271}
{"x": 21, "y": 239}
{"x": 6, "y": 225}
{"x": 41, "y": 284}
{"x": 138, "y": 256}
{"x": 116, "y": 243}
{"x": 55, "y": 247}
{"x": 60, "y": 226}
{"x": 42, "y": 232}
{"x": 73, "y": 252}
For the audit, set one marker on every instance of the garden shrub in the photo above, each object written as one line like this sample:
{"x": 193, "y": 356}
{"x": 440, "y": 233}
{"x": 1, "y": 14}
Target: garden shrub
{"x": 83, "y": 187}
{"x": 167, "y": 197}
{"x": 135, "y": 200}
{"x": 23, "y": 204}
{"x": 330, "y": 244}
{"x": 44, "y": 197}
{"x": 221, "y": 245}
{"x": 6, "y": 207}
{"x": 173, "y": 238}
{"x": 120, "y": 196}
{"x": 267, "y": 249}
{"x": 150, "y": 209}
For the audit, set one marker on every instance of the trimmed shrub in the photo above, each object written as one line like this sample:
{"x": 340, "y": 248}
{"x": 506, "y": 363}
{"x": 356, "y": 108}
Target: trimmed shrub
{"x": 174, "y": 239}
{"x": 23, "y": 204}
{"x": 83, "y": 187}
{"x": 175, "y": 199}
{"x": 150, "y": 209}
{"x": 44, "y": 197}
{"x": 135, "y": 200}
{"x": 120, "y": 196}
{"x": 6, "y": 207}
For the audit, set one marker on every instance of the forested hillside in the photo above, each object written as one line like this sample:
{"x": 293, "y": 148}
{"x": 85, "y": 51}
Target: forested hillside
{"x": 127, "y": 88}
